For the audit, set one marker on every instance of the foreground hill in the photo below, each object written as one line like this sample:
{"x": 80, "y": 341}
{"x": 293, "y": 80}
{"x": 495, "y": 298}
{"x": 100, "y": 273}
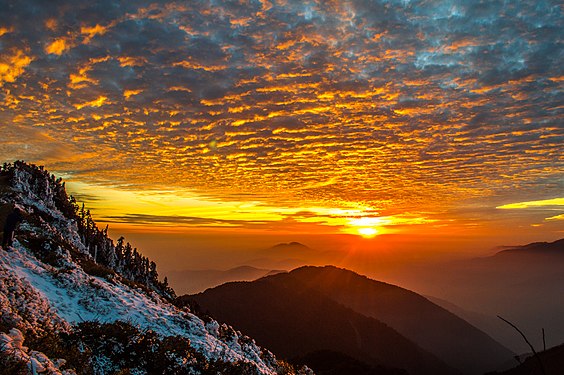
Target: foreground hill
{"x": 296, "y": 321}
{"x": 65, "y": 285}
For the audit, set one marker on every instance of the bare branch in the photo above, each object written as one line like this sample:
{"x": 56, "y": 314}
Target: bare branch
{"x": 528, "y": 343}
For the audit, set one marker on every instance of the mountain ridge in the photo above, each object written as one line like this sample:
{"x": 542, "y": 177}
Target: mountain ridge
{"x": 411, "y": 314}
{"x": 450, "y": 347}
{"x": 194, "y": 281}
{"x": 523, "y": 284}
{"x": 555, "y": 248}
{"x": 304, "y": 320}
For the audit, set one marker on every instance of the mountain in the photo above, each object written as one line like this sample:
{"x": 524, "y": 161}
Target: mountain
{"x": 296, "y": 320}
{"x": 343, "y": 293}
{"x": 286, "y": 255}
{"x": 435, "y": 329}
{"x": 520, "y": 283}
{"x": 555, "y": 248}
{"x": 194, "y": 281}
{"x": 492, "y": 325}
{"x": 74, "y": 302}
{"x": 290, "y": 249}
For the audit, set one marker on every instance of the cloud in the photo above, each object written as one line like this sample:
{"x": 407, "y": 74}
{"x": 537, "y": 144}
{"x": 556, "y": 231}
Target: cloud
{"x": 27, "y": 143}
{"x": 98, "y": 102}
{"x": 396, "y": 105}
{"x": 13, "y": 64}
{"x": 557, "y": 217}
{"x": 5, "y": 30}
{"x": 57, "y": 46}
{"x": 90, "y": 32}
{"x": 178, "y": 220}
{"x": 545, "y": 203}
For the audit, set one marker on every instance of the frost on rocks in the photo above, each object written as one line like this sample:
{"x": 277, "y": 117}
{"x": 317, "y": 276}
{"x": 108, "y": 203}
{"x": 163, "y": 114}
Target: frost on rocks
{"x": 37, "y": 296}
{"x": 11, "y": 344}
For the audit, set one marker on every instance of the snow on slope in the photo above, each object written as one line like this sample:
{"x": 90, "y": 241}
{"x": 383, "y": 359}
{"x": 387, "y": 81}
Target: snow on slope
{"x": 74, "y": 296}
{"x": 39, "y": 296}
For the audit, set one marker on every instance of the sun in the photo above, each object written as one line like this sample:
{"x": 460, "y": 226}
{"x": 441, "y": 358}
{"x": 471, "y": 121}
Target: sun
{"x": 367, "y": 232}
{"x": 367, "y": 226}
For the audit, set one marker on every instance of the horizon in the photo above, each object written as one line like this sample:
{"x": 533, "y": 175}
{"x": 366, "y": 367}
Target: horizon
{"x": 396, "y": 131}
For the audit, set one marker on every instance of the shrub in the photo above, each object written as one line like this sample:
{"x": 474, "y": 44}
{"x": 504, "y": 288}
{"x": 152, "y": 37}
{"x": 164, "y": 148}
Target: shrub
{"x": 12, "y": 366}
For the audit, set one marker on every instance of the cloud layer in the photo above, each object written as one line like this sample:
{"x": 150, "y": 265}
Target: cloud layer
{"x": 402, "y": 106}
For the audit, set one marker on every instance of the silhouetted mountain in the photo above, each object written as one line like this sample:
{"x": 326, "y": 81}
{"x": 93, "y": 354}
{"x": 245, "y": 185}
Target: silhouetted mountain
{"x": 435, "y": 329}
{"x": 548, "y": 362}
{"x": 520, "y": 283}
{"x": 555, "y": 248}
{"x": 195, "y": 281}
{"x": 290, "y": 249}
{"x": 295, "y": 320}
{"x": 490, "y": 324}
{"x": 285, "y": 256}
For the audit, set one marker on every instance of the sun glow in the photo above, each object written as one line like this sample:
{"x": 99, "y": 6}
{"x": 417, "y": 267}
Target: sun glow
{"x": 367, "y": 232}
{"x": 367, "y": 227}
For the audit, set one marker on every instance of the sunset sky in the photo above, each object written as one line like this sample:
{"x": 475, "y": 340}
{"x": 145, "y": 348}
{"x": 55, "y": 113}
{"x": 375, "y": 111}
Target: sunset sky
{"x": 283, "y": 117}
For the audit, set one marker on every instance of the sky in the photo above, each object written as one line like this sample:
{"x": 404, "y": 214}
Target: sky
{"x": 360, "y": 120}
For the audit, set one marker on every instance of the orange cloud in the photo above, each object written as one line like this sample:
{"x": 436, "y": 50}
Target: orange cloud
{"x": 57, "y": 47}
{"x": 51, "y": 24}
{"x": 81, "y": 79}
{"x": 90, "y": 32}
{"x": 13, "y": 64}
{"x": 194, "y": 65}
{"x": 100, "y": 101}
{"x": 5, "y": 30}
{"x": 129, "y": 93}
{"x": 131, "y": 61}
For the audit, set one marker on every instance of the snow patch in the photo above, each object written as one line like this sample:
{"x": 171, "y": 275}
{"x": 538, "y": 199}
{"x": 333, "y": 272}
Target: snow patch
{"x": 76, "y": 297}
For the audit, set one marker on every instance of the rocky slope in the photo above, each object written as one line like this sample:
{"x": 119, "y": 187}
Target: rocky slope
{"x": 65, "y": 285}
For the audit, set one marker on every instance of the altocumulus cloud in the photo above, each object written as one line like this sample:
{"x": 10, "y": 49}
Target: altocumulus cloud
{"x": 402, "y": 104}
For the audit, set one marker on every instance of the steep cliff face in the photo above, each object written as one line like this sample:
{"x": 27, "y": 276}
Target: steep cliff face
{"x": 67, "y": 291}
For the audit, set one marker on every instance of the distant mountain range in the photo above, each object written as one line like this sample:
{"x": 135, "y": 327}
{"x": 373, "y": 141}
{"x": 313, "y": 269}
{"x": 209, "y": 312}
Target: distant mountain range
{"x": 194, "y": 281}
{"x": 313, "y": 309}
{"x": 278, "y": 258}
{"x": 555, "y": 248}
{"x": 288, "y": 256}
{"x": 522, "y": 283}
{"x": 287, "y": 248}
